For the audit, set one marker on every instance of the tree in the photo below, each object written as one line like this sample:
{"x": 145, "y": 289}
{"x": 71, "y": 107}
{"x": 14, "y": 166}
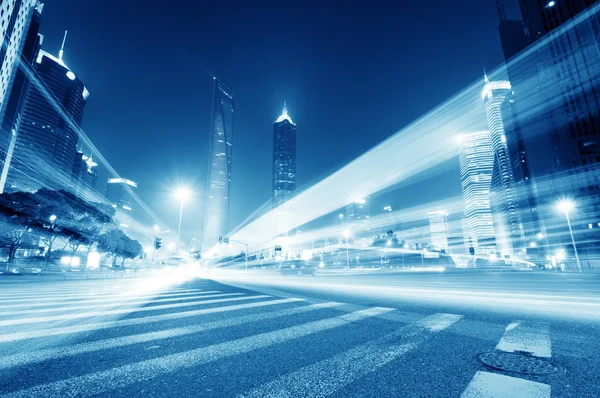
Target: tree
{"x": 18, "y": 218}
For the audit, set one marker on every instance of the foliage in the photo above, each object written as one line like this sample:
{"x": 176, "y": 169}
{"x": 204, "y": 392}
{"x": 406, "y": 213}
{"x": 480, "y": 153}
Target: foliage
{"x": 50, "y": 215}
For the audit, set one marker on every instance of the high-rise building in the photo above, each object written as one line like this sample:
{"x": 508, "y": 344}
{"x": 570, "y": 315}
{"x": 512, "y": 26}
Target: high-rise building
{"x": 565, "y": 33}
{"x": 46, "y": 142}
{"x": 84, "y": 171}
{"x": 516, "y": 111}
{"x": 358, "y": 213}
{"x": 503, "y": 197}
{"x": 218, "y": 179}
{"x": 284, "y": 158}
{"x": 118, "y": 192}
{"x": 476, "y": 164}
{"x": 439, "y": 230}
{"x": 19, "y": 43}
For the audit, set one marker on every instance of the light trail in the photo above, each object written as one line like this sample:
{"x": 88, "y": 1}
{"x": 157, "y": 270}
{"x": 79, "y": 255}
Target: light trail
{"x": 418, "y": 148}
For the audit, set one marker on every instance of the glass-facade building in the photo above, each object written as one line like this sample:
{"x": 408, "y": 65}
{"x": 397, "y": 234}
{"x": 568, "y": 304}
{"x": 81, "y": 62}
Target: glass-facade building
{"x": 118, "y": 193}
{"x": 284, "y": 158}
{"x": 46, "y": 143}
{"x": 438, "y": 221}
{"x": 566, "y": 34}
{"x": 218, "y": 180}
{"x": 503, "y": 197}
{"x": 19, "y": 39}
{"x": 476, "y": 165}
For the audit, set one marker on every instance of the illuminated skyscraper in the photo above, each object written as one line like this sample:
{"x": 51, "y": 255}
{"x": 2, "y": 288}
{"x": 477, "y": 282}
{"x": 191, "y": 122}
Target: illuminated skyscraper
{"x": 476, "y": 164}
{"x": 118, "y": 193}
{"x": 284, "y": 158}
{"x": 503, "y": 198}
{"x": 566, "y": 35}
{"x": 46, "y": 143}
{"x": 439, "y": 230}
{"x": 358, "y": 213}
{"x": 84, "y": 172}
{"x": 19, "y": 39}
{"x": 218, "y": 179}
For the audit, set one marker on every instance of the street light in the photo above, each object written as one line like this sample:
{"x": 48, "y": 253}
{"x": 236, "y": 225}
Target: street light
{"x": 566, "y": 206}
{"x": 347, "y": 235}
{"x": 52, "y": 218}
{"x": 182, "y": 193}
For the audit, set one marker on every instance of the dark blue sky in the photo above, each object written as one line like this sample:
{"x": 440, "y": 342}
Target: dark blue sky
{"x": 352, "y": 75}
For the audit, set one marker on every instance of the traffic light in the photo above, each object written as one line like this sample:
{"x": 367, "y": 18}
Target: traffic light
{"x": 226, "y": 241}
{"x": 472, "y": 250}
{"x": 220, "y": 239}
{"x": 157, "y": 242}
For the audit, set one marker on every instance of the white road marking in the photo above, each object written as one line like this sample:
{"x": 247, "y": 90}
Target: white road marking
{"x": 88, "y": 327}
{"x": 529, "y": 337}
{"x": 99, "y": 383}
{"x": 438, "y": 322}
{"x": 66, "y": 297}
{"x": 98, "y": 304}
{"x": 83, "y": 348}
{"x": 63, "y": 317}
{"x": 47, "y": 302}
{"x": 493, "y": 385}
{"x": 327, "y": 377}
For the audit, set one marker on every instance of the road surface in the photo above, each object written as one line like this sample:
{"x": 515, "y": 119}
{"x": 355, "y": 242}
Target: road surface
{"x": 261, "y": 335}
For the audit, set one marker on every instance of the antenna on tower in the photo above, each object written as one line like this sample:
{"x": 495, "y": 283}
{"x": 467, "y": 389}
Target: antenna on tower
{"x": 485, "y": 73}
{"x": 62, "y": 47}
{"x": 501, "y": 10}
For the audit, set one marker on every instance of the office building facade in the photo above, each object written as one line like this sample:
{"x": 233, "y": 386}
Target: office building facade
{"x": 118, "y": 193}
{"x": 284, "y": 158}
{"x": 476, "y": 161}
{"x": 19, "y": 40}
{"x": 438, "y": 221}
{"x": 504, "y": 201}
{"x": 218, "y": 180}
{"x": 46, "y": 142}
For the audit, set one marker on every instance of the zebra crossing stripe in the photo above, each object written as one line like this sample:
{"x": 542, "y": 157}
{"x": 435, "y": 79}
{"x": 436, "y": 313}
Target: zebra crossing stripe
{"x": 494, "y": 385}
{"x": 330, "y": 375}
{"x": 88, "y": 327}
{"x": 529, "y": 337}
{"x": 63, "y": 317}
{"x": 31, "y": 357}
{"x": 99, "y": 383}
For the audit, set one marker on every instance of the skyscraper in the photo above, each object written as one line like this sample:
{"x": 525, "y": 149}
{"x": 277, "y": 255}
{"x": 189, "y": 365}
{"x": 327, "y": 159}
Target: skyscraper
{"x": 15, "y": 19}
{"x": 439, "y": 230}
{"x": 118, "y": 193}
{"x": 46, "y": 142}
{"x": 284, "y": 158}
{"x": 567, "y": 78}
{"x": 19, "y": 39}
{"x": 503, "y": 198}
{"x": 84, "y": 173}
{"x": 476, "y": 164}
{"x": 218, "y": 179}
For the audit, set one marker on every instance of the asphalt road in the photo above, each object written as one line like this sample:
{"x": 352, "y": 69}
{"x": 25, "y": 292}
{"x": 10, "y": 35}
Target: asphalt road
{"x": 262, "y": 335}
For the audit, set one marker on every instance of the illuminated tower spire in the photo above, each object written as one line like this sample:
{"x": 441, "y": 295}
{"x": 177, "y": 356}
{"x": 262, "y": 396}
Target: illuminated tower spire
{"x": 62, "y": 47}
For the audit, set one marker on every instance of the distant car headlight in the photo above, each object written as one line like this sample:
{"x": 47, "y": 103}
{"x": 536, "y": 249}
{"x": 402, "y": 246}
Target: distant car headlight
{"x": 321, "y": 264}
{"x": 293, "y": 266}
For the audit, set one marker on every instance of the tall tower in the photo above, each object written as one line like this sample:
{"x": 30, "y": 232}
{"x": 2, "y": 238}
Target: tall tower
{"x": 504, "y": 200}
{"x": 46, "y": 143}
{"x": 476, "y": 164}
{"x": 438, "y": 221}
{"x": 218, "y": 179}
{"x": 567, "y": 65}
{"x": 284, "y": 158}
{"x": 19, "y": 43}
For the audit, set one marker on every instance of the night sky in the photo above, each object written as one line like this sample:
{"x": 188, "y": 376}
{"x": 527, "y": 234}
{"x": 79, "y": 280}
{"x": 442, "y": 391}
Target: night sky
{"x": 352, "y": 74}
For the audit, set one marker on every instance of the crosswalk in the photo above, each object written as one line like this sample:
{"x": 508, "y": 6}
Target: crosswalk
{"x": 208, "y": 339}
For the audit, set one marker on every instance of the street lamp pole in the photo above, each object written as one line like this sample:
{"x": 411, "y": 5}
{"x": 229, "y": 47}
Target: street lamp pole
{"x": 573, "y": 241}
{"x": 566, "y": 206}
{"x": 179, "y": 227}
